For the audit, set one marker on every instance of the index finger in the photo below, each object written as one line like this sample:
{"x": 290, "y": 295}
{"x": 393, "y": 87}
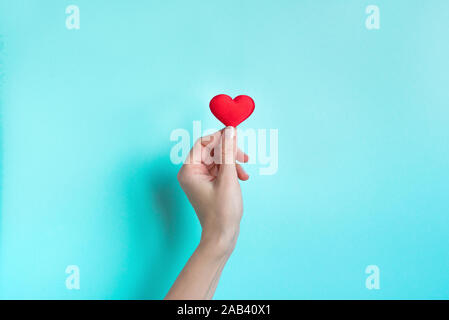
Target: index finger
{"x": 202, "y": 147}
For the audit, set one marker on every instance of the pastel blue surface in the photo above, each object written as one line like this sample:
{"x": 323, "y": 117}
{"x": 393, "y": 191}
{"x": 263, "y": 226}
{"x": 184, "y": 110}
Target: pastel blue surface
{"x": 363, "y": 118}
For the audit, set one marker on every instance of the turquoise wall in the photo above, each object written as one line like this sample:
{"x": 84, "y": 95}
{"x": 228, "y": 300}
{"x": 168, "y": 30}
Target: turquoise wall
{"x": 362, "y": 116}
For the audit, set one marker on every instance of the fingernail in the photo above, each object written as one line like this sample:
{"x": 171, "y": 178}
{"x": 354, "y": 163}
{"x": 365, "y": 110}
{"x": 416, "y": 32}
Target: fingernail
{"x": 229, "y": 132}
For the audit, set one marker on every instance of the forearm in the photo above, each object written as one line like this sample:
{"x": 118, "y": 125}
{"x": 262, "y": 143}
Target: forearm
{"x": 199, "y": 277}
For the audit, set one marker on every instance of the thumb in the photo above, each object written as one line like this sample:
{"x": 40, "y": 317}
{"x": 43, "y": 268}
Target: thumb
{"x": 228, "y": 152}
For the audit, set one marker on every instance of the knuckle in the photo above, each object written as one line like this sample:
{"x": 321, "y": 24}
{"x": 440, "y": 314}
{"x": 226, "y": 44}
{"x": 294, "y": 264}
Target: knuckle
{"x": 198, "y": 141}
{"x": 181, "y": 176}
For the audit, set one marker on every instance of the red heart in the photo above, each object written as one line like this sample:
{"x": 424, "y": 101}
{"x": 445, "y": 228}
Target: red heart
{"x": 231, "y": 112}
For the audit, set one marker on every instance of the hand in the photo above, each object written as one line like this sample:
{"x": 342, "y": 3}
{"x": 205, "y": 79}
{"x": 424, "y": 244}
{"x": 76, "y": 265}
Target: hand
{"x": 209, "y": 177}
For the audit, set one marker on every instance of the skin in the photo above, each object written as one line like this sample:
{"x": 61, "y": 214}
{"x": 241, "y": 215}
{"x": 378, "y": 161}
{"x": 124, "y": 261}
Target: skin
{"x": 210, "y": 179}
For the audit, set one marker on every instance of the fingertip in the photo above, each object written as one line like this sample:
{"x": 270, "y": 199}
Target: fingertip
{"x": 242, "y": 156}
{"x": 241, "y": 173}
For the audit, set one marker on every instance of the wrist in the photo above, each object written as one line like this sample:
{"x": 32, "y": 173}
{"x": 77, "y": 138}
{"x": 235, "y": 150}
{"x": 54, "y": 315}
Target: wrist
{"x": 219, "y": 244}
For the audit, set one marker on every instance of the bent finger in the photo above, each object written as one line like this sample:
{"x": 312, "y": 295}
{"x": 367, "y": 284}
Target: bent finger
{"x": 202, "y": 147}
{"x": 241, "y": 173}
{"x": 242, "y": 156}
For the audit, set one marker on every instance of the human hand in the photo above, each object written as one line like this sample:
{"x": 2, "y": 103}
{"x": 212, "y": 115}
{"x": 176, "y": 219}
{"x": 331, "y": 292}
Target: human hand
{"x": 209, "y": 177}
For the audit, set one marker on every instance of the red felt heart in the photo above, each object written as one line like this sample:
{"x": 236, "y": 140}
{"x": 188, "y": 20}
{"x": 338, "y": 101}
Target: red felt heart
{"x": 231, "y": 112}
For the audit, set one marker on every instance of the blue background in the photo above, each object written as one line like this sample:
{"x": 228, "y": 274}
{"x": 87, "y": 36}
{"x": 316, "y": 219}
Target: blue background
{"x": 86, "y": 117}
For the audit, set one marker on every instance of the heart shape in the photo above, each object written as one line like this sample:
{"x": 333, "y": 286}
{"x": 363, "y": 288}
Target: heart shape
{"x": 232, "y": 112}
